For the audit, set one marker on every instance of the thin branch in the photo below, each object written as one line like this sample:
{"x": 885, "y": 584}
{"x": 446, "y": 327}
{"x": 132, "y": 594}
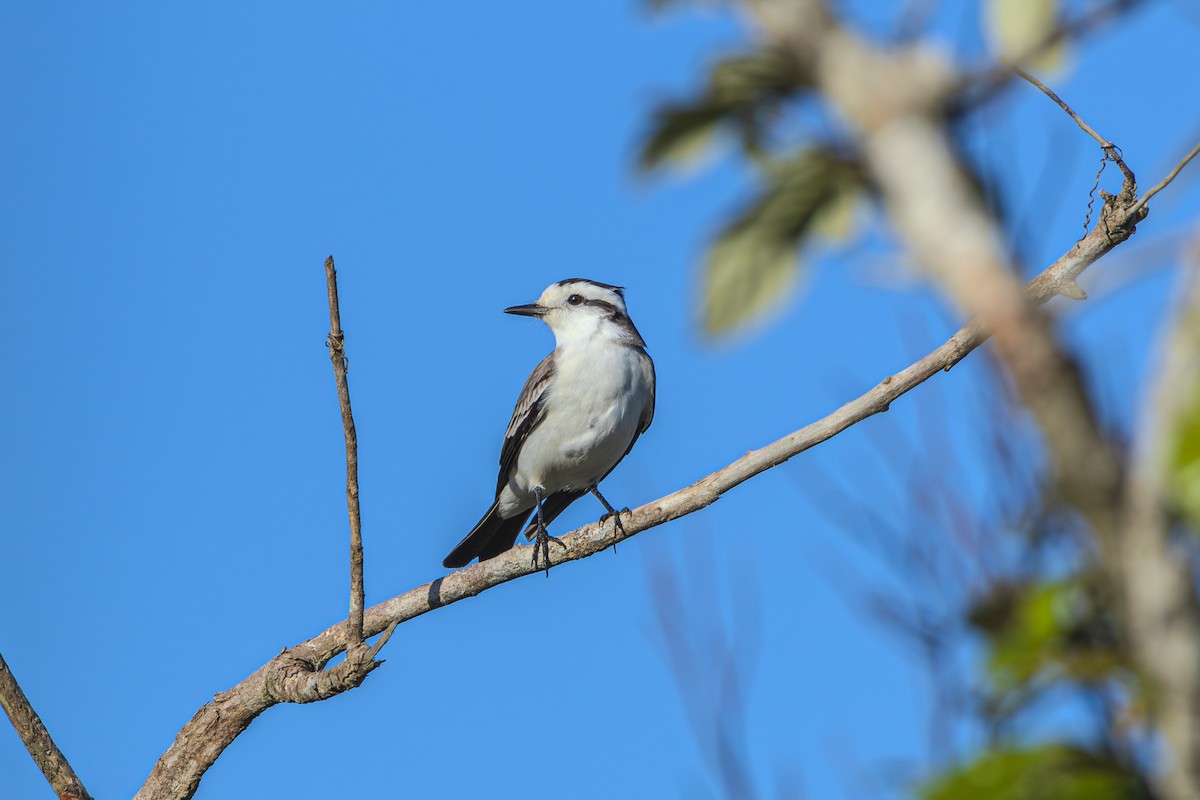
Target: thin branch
{"x": 33, "y": 733}
{"x": 337, "y": 356}
{"x": 1158, "y": 187}
{"x": 1111, "y": 151}
{"x": 296, "y": 675}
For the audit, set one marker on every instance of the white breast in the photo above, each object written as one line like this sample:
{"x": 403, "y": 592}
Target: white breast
{"x": 592, "y": 416}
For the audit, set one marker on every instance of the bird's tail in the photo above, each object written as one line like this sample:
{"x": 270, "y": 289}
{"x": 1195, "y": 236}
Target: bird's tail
{"x": 491, "y": 536}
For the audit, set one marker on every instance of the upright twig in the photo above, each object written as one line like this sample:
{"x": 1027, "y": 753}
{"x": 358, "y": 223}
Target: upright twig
{"x": 337, "y": 356}
{"x": 33, "y": 733}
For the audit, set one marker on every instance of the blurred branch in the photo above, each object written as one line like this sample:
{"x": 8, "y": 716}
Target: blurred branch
{"x": 1159, "y": 586}
{"x": 898, "y": 126}
{"x": 36, "y": 738}
{"x": 713, "y": 667}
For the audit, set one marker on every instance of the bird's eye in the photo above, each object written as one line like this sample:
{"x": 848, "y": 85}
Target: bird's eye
{"x": 574, "y": 299}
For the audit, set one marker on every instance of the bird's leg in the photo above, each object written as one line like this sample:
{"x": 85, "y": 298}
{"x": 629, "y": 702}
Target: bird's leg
{"x": 541, "y": 544}
{"x": 609, "y": 511}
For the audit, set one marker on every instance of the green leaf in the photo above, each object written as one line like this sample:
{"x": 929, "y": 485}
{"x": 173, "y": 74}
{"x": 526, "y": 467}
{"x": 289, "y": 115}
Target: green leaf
{"x": 753, "y": 266}
{"x": 1022, "y": 647}
{"x": 1040, "y": 634}
{"x": 742, "y": 81}
{"x": 1184, "y": 464}
{"x": 748, "y": 272}
{"x": 1017, "y": 27}
{"x": 742, "y": 93}
{"x": 1051, "y": 772}
{"x": 680, "y": 135}
{"x": 834, "y": 221}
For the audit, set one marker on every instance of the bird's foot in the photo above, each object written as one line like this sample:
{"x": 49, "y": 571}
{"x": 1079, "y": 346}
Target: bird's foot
{"x": 617, "y": 524}
{"x": 541, "y": 548}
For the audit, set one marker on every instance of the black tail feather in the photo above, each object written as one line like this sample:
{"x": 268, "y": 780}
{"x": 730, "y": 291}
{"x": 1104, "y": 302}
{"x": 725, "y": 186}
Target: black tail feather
{"x": 494, "y": 535}
{"x": 490, "y": 537}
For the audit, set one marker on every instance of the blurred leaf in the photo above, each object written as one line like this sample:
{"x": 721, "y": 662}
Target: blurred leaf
{"x": 834, "y": 221}
{"x": 1184, "y": 466}
{"x": 753, "y": 265}
{"x": 748, "y": 79}
{"x": 992, "y": 612}
{"x": 1052, "y": 772}
{"x": 680, "y": 134}
{"x": 1021, "y": 648}
{"x": 1016, "y": 27}
{"x": 1045, "y": 632}
{"x": 743, "y": 92}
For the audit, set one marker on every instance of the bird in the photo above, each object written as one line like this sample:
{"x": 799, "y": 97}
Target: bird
{"x": 580, "y": 413}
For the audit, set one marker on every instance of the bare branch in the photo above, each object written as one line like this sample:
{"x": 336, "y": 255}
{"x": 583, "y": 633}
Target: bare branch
{"x": 296, "y": 675}
{"x": 337, "y": 355}
{"x": 1158, "y": 187}
{"x": 33, "y": 733}
{"x": 1110, "y": 150}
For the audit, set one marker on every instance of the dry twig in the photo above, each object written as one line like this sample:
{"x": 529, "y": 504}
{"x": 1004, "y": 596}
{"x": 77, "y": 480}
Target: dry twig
{"x": 337, "y": 355}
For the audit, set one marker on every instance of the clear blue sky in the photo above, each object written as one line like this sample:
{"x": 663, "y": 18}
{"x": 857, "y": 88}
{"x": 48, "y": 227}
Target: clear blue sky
{"x": 171, "y": 464}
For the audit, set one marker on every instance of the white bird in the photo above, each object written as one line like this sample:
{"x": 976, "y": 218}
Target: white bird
{"x": 579, "y": 414}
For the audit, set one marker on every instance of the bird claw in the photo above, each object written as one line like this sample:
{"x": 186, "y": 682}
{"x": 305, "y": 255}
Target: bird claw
{"x": 617, "y": 524}
{"x": 616, "y": 518}
{"x": 541, "y": 547}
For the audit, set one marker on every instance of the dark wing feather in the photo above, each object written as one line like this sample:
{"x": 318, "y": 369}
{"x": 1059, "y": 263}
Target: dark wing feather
{"x": 530, "y": 411}
{"x": 648, "y": 411}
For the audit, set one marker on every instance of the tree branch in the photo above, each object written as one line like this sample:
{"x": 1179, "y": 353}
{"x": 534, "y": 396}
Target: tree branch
{"x": 33, "y": 733}
{"x": 337, "y": 355}
{"x": 1110, "y": 150}
{"x": 1158, "y": 187}
{"x": 296, "y": 674}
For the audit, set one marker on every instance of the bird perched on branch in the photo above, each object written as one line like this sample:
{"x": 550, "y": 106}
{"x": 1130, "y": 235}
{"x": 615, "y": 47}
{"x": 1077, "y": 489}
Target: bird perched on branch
{"x": 579, "y": 414}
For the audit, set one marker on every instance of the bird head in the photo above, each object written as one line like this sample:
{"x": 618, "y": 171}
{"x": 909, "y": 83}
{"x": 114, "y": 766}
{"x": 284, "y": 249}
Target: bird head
{"x": 578, "y": 309}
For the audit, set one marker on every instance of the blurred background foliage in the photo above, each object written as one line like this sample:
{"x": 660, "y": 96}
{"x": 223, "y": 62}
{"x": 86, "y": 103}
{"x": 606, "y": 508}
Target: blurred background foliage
{"x": 1001, "y": 598}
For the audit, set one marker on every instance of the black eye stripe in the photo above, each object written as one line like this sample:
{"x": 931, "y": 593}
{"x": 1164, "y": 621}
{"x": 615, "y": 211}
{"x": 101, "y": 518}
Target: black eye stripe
{"x": 604, "y": 304}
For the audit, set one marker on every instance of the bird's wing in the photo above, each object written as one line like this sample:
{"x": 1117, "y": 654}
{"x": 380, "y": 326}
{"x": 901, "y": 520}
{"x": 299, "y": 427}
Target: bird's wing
{"x": 530, "y": 410}
{"x": 648, "y": 411}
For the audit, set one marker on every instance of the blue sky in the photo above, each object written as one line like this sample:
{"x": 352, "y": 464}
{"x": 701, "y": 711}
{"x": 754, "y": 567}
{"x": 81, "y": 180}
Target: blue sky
{"x": 171, "y": 457}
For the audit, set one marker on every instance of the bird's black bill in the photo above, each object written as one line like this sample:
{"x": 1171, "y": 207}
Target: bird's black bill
{"x": 531, "y": 310}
